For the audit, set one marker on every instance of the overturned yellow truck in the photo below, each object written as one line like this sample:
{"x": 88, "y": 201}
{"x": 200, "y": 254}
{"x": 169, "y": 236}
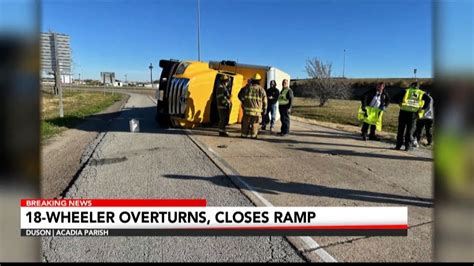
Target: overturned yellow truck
{"x": 186, "y": 93}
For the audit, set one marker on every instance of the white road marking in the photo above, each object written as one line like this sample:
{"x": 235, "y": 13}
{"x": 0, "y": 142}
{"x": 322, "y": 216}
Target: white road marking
{"x": 247, "y": 186}
{"x": 308, "y": 241}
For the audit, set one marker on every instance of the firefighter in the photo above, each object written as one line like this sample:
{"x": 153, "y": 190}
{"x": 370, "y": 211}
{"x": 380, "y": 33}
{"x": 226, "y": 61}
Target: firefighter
{"x": 425, "y": 120}
{"x": 254, "y": 102}
{"x": 272, "y": 95}
{"x": 412, "y": 101}
{"x": 285, "y": 102}
{"x": 223, "y": 104}
{"x": 377, "y": 98}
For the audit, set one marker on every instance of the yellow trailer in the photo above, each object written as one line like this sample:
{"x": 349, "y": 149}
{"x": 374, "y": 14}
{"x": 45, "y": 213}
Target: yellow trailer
{"x": 186, "y": 93}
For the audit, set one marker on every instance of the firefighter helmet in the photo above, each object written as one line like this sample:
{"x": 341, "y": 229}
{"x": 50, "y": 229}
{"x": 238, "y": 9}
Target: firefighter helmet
{"x": 256, "y": 77}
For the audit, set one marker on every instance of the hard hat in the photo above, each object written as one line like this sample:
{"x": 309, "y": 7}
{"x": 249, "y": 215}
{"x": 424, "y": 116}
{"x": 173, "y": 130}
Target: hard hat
{"x": 257, "y": 77}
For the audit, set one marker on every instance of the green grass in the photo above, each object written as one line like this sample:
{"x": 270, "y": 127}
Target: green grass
{"x": 77, "y": 106}
{"x": 341, "y": 112}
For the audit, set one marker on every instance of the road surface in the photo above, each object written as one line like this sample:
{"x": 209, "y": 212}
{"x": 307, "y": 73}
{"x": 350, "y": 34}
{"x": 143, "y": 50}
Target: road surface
{"x": 135, "y": 165}
{"x": 315, "y": 166}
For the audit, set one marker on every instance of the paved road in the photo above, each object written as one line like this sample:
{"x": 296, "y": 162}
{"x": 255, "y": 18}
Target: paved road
{"x": 138, "y": 165}
{"x": 318, "y": 166}
{"x": 315, "y": 166}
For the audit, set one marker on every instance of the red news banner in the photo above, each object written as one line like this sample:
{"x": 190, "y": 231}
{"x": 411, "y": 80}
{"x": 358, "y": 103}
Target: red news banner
{"x": 192, "y": 217}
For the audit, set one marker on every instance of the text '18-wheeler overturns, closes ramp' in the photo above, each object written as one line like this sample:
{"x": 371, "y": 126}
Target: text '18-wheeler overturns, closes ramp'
{"x": 186, "y": 94}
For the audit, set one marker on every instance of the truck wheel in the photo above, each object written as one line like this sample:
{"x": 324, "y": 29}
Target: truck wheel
{"x": 163, "y": 120}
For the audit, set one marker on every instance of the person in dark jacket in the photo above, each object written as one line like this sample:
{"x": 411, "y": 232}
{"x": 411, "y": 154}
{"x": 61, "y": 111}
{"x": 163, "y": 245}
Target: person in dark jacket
{"x": 412, "y": 100}
{"x": 377, "y": 98}
{"x": 272, "y": 97}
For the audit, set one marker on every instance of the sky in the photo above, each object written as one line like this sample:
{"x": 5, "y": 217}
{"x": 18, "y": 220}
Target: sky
{"x": 382, "y": 39}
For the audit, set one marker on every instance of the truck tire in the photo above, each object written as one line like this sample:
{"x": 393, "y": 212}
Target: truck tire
{"x": 163, "y": 120}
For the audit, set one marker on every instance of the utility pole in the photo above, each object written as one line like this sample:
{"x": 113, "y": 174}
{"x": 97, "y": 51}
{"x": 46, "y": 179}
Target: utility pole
{"x": 79, "y": 78}
{"x": 125, "y": 78}
{"x": 344, "y": 64}
{"x": 151, "y": 74}
{"x": 199, "y": 29}
{"x": 57, "y": 76}
{"x": 414, "y": 71}
{"x": 103, "y": 81}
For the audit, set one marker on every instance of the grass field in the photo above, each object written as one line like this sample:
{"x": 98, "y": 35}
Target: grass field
{"x": 77, "y": 105}
{"x": 342, "y": 112}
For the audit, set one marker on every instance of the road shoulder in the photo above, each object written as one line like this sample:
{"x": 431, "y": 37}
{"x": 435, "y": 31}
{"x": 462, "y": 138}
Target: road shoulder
{"x": 62, "y": 155}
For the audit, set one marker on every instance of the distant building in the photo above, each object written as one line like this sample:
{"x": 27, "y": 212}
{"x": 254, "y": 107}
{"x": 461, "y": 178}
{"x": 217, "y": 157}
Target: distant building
{"x": 118, "y": 83}
{"x": 149, "y": 85}
{"x": 63, "y": 48}
{"x": 107, "y": 78}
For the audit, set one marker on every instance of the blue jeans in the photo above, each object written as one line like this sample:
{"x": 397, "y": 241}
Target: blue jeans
{"x": 271, "y": 115}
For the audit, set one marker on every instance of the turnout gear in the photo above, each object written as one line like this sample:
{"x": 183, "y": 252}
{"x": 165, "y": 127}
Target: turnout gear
{"x": 223, "y": 97}
{"x": 254, "y": 102}
{"x": 223, "y": 106}
{"x": 250, "y": 125}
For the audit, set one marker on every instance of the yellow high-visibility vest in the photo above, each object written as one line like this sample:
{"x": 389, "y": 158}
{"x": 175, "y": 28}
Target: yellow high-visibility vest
{"x": 412, "y": 101}
{"x": 282, "y": 99}
{"x": 374, "y": 116}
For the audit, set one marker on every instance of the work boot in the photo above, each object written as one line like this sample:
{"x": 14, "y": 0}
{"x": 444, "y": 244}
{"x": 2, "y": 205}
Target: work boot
{"x": 374, "y": 138}
{"x": 364, "y": 137}
{"x": 223, "y": 134}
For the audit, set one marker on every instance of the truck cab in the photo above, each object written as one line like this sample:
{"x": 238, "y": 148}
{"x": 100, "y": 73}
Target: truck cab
{"x": 186, "y": 95}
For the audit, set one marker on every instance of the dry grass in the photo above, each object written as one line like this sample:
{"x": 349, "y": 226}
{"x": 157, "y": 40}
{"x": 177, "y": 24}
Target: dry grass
{"x": 342, "y": 112}
{"x": 77, "y": 105}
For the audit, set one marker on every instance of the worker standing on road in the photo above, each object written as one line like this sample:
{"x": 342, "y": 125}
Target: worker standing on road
{"x": 377, "y": 98}
{"x": 425, "y": 120}
{"x": 254, "y": 102}
{"x": 285, "y": 102}
{"x": 272, "y": 95}
{"x": 412, "y": 100}
{"x": 223, "y": 104}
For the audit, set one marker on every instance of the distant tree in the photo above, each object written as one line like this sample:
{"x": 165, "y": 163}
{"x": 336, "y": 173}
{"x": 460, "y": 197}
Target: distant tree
{"x": 322, "y": 85}
{"x": 92, "y": 82}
